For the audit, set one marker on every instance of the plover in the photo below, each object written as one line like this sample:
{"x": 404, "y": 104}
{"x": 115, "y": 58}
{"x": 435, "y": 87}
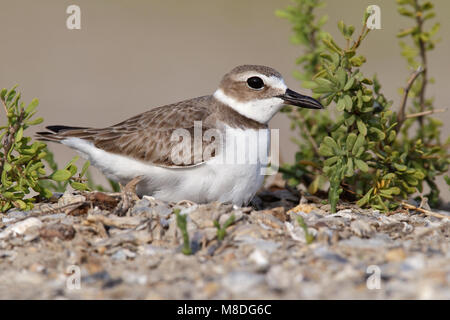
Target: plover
{"x": 159, "y": 144}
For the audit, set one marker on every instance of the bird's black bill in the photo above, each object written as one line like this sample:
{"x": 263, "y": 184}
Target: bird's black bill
{"x": 299, "y": 100}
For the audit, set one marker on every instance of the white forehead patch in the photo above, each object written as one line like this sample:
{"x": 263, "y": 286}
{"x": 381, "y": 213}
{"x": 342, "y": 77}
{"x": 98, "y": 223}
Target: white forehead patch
{"x": 271, "y": 81}
{"x": 260, "y": 110}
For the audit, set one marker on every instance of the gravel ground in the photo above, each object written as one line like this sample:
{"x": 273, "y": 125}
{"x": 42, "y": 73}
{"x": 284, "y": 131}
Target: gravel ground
{"x": 115, "y": 246}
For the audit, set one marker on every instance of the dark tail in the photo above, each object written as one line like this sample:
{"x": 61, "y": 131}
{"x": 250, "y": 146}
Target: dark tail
{"x": 58, "y": 133}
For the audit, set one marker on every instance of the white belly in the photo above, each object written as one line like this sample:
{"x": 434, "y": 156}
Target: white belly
{"x": 217, "y": 179}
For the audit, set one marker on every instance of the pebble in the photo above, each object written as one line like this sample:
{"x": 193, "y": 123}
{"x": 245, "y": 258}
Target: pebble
{"x": 123, "y": 254}
{"x": 21, "y": 227}
{"x": 413, "y": 263}
{"x": 395, "y": 255}
{"x": 240, "y": 282}
{"x": 259, "y": 258}
{"x": 13, "y": 216}
{"x": 8, "y": 254}
{"x": 372, "y": 243}
{"x": 68, "y": 198}
{"x": 325, "y": 253}
{"x": 267, "y": 220}
{"x": 134, "y": 278}
{"x": 278, "y": 279}
{"x": 361, "y": 228}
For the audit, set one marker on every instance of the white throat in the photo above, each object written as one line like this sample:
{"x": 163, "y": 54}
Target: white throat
{"x": 259, "y": 110}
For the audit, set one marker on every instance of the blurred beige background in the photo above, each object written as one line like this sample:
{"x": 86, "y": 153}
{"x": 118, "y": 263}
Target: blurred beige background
{"x": 133, "y": 55}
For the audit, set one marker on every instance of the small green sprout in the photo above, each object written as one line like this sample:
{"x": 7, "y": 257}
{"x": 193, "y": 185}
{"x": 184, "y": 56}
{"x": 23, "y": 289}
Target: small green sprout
{"x": 182, "y": 225}
{"x": 308, "y": 236}
{"x": 222, "y": 231}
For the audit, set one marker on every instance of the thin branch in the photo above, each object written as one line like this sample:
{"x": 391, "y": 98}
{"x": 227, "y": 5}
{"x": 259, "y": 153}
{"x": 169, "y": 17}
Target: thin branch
{"x": 401, "y": 115}
{"x": 425, "y": 113}
{"x": 427, "y": 212}
{"x": 4, "y": 106}
{"x": 362, "y": 35}
{"x": 8, "y": 141}
{"x": 49, "y": 209}
{"x": 308, "y": 134}
{"x": 2, "y": 162}
{"x": 423, "y": 56}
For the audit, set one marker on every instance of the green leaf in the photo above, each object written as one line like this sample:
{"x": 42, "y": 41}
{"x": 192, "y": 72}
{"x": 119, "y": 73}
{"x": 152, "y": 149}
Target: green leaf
{"x": 85, "y": 168}
{"x": 79, "y": 186}
{"x": 348, "y": 102}
{"x": 19, "y": 134}
{"x": 361, "y": 127}
{"x": 331, "y": 161}
{"x": 325, "y": 83}
{"x": 35, "y": 121}
{"x": 61, "y": 175}
{"x": 340, "y": 106}
{"x": 350, "y": 170}
{"x": 419, "y": 175}
{"x": 71, "y": 162}
{"x": 411, "y": 180}
{"x": 341, "y": 27}
{"x": 21, "y": 204}
{"x": 405, "y": 12}
{"x": 380, "y": 134}
{"x": 73, "y": 169}
{"x": 314, "y": 186}
{"x": 33, "y": 104}
{"x": 329, "y": 141}
{"x": 3, "y": 93}
{"x": 394, "y": 190}
{"x": 365, "y": 199}
{"x": 6, "y": 206}
{"x": 349, "y": 143}
{"x": 357, "y": 61}
{"x": 7, "y": 167}
{"x": 358, "y": 144}
{"x": 331, "y": 46}
{"x": 389, "y": 176}
{"x": 361, "y": 165}
{"x": 46, "y": 193}
{"x": 341, "y": 76}
{"x": 349, "y": 84}
{"x": 8, "y": 195}
{"x": 392, "y": 136}
{"x": 325, "y": 151}
{"x": 406, "y": 32}
{"x": 400, "y": 167}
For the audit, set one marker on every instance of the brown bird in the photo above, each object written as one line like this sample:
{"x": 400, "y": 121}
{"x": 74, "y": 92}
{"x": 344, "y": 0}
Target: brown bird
{"x": 190, "y": 150}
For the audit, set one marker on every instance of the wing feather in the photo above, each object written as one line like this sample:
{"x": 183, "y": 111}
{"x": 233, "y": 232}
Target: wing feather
{"x": 147, "y": 136}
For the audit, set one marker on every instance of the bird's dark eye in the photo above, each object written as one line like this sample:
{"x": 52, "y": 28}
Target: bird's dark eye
{"x": 255, "y": 83}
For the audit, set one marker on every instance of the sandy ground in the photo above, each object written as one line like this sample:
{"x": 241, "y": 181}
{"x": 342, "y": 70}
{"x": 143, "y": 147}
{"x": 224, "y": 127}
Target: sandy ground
{"x": 98, "y": 246}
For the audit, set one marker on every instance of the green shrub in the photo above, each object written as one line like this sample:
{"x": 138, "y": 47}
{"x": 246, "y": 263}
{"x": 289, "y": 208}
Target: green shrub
{"x": 22, "y": 164}
{"x": 363, "y": 148}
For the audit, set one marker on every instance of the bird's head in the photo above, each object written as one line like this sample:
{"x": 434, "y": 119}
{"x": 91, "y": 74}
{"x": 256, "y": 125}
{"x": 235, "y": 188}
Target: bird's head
{"x": 259, "y": 92}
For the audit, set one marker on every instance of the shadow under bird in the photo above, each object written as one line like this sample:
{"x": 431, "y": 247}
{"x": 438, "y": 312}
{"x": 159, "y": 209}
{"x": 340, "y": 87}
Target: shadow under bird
{"x": 144, "y": 145}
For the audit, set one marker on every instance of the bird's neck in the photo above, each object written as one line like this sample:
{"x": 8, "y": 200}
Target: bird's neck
{"x": 230, "y": 116}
